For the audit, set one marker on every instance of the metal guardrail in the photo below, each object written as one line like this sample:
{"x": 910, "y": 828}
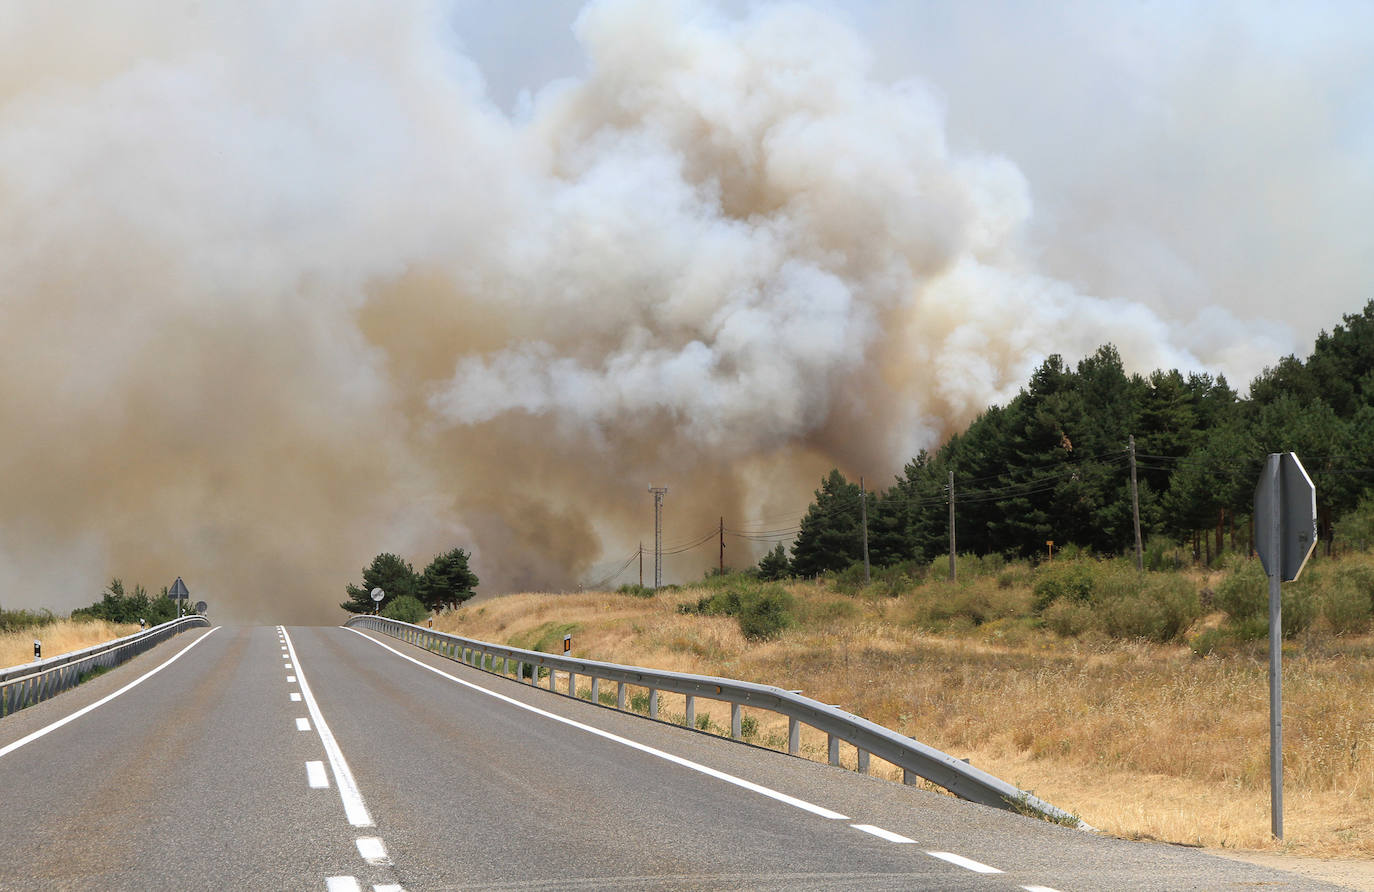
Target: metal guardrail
{"x": 916, "y": 759}
{"x": 32, "y": 683}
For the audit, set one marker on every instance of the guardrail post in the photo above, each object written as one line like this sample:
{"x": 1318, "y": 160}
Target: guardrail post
{"x": 596, "y": 689}
{"x": 505, "y": 665}
{"x": 735, "y": 722}
{"x": 620, "y": 695}
{"x": 572, "y": 683}
{"x": 553, "y": 675}
{"x": 691, "y": 711}
{"x": 910, "y": 777}
{"x": 793, "y": 736}
{"x": 863, "y": 761}
{"x": 653, "y": 703}
{"x": 833, "y": 749}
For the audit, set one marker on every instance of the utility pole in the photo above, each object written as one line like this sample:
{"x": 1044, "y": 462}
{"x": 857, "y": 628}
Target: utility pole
{"x": 658, "y": 492}
{"x": 863, "y": 517}
{"x": 641, "y": 563}
{"x": 1135, "y": 509}
{"x": 951, "y": 526}
{"x": 722, "y": 546}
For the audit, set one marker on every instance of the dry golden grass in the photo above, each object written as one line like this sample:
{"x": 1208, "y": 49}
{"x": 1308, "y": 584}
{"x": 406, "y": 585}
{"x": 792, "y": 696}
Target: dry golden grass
{"x": 63, "y": 636}
{"x": 1141, "y": 740}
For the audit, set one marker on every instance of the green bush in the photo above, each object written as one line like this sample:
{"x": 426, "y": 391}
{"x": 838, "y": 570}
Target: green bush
{"x": 1345, "y": 606}
{"x": 1244, "y": 596}
{"x": 1160, "y": 554}
{"x": 19, "y": 620}
{"x": 406, "y": 609}
{"x": 1161, "y": 609}
{"x": 766, "y": 616}
{"x": 1068, "y": 617}
{"x": 1062, "y": 580}
{"x": 638, "y": 591}
{"x": 763, "y": 611}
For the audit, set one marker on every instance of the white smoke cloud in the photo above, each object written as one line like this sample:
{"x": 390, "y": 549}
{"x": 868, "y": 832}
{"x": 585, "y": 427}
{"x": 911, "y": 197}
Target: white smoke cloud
{"x": 283, "y": 289}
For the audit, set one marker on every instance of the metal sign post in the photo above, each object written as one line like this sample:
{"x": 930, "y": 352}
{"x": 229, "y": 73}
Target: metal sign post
{"x": 377, "y": 596}
{"x": 1285, "y": 535}
{"x": 179, "y": 593}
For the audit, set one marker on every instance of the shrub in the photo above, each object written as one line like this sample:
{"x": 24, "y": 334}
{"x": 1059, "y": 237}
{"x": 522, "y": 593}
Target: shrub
{"x": 762, "y": 611}
{"x": 1161, "y": 609}
{"x": 406, "y": 609}
{"x": 1068, "y": 617}
{"x": 1244, "y": 595}
{"x": 1346, "y": 607}
{"x": 1062, "y": 580}
{"x": 635, "y": 589}
{"x": 765, "y": 616}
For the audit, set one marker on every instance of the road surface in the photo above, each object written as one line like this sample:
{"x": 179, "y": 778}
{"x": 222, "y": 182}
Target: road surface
{"x": 331, "y": 759}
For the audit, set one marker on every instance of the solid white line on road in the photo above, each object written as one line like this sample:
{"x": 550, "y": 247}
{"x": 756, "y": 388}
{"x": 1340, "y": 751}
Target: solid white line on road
{"x": 290, "y": 679}
{"x": 633, "y": 744}
{"x": 302, "y": 724}
{"x": 9, "y": 748}
{"x": 1039, "y": 889}
{"x": 314, "y": 773}
{"x": 881, "y": 833}
{"x": 372, "y": 850}
{"x": 966, "y": 863}
{"x": 353, "y": 804}
{"x": 342, "y": 884}
{"x": 295, "y": 698}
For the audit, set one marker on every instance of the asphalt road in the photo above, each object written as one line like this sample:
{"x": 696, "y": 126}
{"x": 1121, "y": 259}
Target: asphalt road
{"x": 327, "y": 759}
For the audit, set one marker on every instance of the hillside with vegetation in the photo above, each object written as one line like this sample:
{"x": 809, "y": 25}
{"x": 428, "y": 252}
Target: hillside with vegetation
{"x": 1053, "y": 465}
{"x": 1138, "y": 703}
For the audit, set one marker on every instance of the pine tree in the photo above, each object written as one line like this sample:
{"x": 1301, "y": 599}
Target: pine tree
{"x": 447, "y": 581}
{"x": 391, "y": 574}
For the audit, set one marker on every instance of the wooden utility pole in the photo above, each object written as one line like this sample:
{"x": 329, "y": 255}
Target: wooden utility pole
{"x": 641, "y": 563}
{"x": 1135, "y": 509}
{"x": 722, "y": 545}
{"x": 863, "y": 518}
{"x": 951, "y": 527}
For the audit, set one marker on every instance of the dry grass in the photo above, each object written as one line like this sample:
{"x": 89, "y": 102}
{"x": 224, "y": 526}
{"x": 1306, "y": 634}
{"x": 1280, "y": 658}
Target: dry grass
{"x": 1141, "y": 740}
{"x": 63, "y": 636}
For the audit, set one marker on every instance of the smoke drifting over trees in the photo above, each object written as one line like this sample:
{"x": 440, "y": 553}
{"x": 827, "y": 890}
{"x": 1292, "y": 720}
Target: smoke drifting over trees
{"x": 283, "y": 288}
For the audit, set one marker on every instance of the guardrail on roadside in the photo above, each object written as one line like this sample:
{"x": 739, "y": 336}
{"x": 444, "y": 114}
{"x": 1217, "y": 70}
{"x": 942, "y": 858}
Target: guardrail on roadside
{"x": 916, "y": 759}
{"x": 32, "y": 683}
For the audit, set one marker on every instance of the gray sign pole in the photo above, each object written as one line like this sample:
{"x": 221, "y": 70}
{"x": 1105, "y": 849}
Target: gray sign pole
{"x": 1275, "y": 520}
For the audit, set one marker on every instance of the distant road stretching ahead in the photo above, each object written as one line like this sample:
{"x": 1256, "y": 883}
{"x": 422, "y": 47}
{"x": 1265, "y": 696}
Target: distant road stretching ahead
{"x": 331, "y": 759}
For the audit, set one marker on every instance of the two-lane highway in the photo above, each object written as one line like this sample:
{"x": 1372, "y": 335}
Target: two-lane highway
{"x": 331, "y": 759}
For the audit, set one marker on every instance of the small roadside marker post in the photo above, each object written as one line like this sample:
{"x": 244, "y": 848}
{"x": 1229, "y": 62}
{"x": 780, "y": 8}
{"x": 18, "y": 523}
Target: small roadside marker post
{"x": 567, "y": 644}
{"x": 1285, "y": 536}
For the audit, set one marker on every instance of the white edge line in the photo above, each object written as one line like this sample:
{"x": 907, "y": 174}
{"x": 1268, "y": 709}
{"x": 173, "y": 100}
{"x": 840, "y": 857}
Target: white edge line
{"x": 966, "y": 863}
{"x": 881, "y": 833}
{"x": 354, "y": 807}
{"x": 1039, "y": 889}
{"x": 632, "y": 744}
{"x": 9, "y": 748}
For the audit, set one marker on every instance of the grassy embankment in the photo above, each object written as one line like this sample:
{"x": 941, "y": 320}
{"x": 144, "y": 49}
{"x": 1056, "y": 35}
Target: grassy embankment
{"x": 59, "y": 636}
{"x": 1076, "y": 680}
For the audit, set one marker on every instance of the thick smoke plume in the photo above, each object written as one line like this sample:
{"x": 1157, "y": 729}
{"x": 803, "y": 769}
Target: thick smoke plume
{"x": 281, "y": 288}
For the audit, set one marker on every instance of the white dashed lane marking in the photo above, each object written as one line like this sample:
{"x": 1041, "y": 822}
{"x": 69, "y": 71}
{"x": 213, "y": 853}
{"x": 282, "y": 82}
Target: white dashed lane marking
{"x": 295, "y": 698}
{"x": 966, "y": 863}
{"x": 314, "y": 773}
{"x": 372, "y": 850}
{"x": 290, "y": 679}
{"x": 342, "y": 884}
{"x": 881, "y": 833}
{"x": 302, "y": 724}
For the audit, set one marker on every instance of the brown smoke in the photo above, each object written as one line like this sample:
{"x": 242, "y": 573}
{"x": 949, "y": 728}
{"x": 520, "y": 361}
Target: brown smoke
{"x": 282, "y": 290}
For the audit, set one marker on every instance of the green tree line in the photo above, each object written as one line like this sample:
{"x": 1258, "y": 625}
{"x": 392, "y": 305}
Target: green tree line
{"x": 1053, "y": 463}
{"x": 409, "y": 596}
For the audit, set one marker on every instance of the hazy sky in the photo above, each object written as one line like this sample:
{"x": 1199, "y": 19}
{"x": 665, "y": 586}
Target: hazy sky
{"x": 1182, "y": 154}
{"x": 284, "y": 285}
